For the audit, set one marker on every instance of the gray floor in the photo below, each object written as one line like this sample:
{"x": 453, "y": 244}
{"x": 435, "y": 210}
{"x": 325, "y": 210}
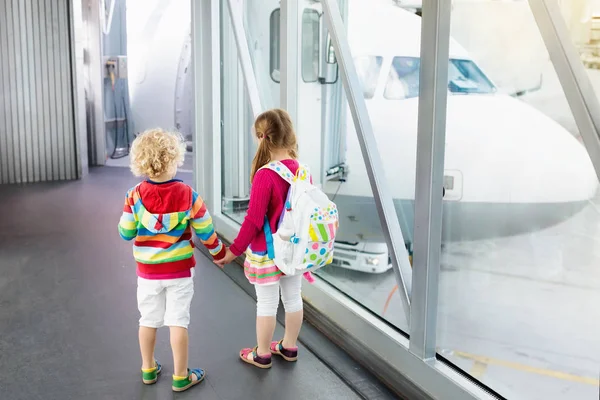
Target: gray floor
{"x": 68, "y": 316}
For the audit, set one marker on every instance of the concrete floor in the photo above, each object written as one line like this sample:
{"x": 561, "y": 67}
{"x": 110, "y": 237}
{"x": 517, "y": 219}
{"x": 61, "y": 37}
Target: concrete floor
{"x": 68, "y": 315}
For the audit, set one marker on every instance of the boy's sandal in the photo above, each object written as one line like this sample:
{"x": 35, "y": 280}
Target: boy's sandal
{"x": 289, "y": 354}
{"x": 181, "y": 383}
{"x": 150, "y": 376}
{"x": 257, "y": 361}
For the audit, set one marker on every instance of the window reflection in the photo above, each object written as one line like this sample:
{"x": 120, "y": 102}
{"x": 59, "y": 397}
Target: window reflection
{"x": 464, "y": 77}
{"x": 274, "y": 51}
{"x": 310, "y": 45}
{"x": 368, "y": 69}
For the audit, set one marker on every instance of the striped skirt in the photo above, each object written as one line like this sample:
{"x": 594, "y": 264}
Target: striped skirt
{"x": 260, "y": 269}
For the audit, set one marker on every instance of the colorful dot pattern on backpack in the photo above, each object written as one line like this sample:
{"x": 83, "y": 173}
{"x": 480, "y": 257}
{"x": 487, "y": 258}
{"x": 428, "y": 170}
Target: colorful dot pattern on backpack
{"x": 319, "y": 254}
{"x": 325, "y": 214}
{"x": 320, "y": 249}
{"x": 281, "y": 170}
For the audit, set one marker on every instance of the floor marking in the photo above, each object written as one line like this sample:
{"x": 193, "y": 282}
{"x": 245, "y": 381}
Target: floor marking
{"x": 387, "y": 302}
{"x": 478, "y": 369}
{"x": 525, "y": 368}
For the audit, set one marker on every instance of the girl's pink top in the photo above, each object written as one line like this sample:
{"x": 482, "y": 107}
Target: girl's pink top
{"x": 267, "y": 197}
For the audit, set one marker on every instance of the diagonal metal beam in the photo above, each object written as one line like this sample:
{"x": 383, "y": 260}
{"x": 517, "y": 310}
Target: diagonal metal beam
{"x": 235, "y": 12}
{"x": 358, "y": 108}
{"x": 572, "y": 75}
{"x": 431, "y": 146}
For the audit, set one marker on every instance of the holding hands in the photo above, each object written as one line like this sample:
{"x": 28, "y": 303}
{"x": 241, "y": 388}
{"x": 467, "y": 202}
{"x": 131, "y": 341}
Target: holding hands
{"x": 229, "y": 257}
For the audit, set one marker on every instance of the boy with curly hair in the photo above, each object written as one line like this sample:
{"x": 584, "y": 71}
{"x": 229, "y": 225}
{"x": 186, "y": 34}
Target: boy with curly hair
{"x": 160, "y": 213}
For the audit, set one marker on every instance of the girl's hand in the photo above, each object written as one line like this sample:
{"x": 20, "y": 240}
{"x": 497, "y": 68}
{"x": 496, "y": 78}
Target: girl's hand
{"x": 229, "y": 257}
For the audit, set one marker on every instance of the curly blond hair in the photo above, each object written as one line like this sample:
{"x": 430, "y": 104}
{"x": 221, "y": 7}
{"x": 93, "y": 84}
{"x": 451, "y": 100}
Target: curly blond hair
{"x": 156, "y": 152}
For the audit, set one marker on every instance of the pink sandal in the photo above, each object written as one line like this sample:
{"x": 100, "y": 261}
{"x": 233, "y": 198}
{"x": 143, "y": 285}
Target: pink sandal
{"x": 289, "y": 354}
{"x": 258, "y": 361}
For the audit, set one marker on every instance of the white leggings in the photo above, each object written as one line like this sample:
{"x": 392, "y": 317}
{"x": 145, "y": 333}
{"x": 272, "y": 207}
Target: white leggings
{"x": 267, "y": 296}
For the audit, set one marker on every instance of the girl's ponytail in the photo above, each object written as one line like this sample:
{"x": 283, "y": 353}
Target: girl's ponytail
{"x": 261, "y": 158}
{"x": 275, "y": 131}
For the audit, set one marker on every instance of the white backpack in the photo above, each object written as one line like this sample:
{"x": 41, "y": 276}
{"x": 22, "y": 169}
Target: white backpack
{"x": 307, "y": 227}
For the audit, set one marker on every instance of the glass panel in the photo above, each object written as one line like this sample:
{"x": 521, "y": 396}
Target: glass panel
{"x": 158, "y": 88}
{"x": 519, "y": 283}
{"x": 311, "y": 29}
{"x": 238, "y": 144}
{"x": 362, "y": 267}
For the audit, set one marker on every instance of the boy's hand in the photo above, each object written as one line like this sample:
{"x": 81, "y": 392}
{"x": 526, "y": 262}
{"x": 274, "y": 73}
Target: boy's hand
{"x": 229, "y": 257}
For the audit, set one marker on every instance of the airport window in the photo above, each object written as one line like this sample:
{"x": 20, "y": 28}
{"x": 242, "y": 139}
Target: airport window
{"x": 274, "y": 60}
{"x": 310, "y": 45}
{"x": 463, "y": 77}
{"x": 368, "y": 69}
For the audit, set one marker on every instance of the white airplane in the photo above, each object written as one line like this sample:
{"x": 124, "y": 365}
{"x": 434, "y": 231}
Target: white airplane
{"x": 509, "y": 169}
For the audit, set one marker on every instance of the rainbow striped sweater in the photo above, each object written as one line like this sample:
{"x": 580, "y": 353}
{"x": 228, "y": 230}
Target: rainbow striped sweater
{"x": 160, "y": 217}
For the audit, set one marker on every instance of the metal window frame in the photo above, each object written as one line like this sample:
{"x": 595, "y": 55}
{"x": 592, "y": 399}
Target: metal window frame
{"x": 77, "y": 72}
{"x": 237, "y": 21}
{"x": 206, "y": 45}
{"x": 431, "y": 148}
{"x": 289, "y": 57}
{"x": 207, "y": 98}
{"x": 93, "y": 67}
{"x": 573, "y": 79}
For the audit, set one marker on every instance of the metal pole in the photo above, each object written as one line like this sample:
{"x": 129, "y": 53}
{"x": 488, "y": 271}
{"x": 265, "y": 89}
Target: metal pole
{"x": 207, "y": 99}
{"x": 433, "y": 88}
{"x": 572, "y": 75}
{"x": 368, "y": 145}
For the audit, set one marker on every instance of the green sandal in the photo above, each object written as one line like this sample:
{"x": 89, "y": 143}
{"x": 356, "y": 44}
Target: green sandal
{"x": 181, "y": 383}
{"x": 150, "y": 376}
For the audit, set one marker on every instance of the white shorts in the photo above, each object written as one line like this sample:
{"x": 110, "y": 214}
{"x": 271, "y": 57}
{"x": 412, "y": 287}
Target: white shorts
{"x": 165, "y": 301}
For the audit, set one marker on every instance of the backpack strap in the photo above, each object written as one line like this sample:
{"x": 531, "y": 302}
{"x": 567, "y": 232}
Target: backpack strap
{"x": 269, "y": 239}
{"x": 284, "y": 172}
{"x": 303, "y": 173}
{"x": 280, "y": 169}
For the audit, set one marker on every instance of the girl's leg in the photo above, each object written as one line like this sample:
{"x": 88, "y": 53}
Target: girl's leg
{"x": 291, "y": 295}
{"x": 266, "y": 310}
{"x": 147, "y": 342}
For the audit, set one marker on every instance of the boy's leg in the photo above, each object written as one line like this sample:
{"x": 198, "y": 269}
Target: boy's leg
{"x": 179, "y": 345}
{"x": 151, "y": 304}
{"x": 147, "y": 342}
{"x": 177, "y": 316}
